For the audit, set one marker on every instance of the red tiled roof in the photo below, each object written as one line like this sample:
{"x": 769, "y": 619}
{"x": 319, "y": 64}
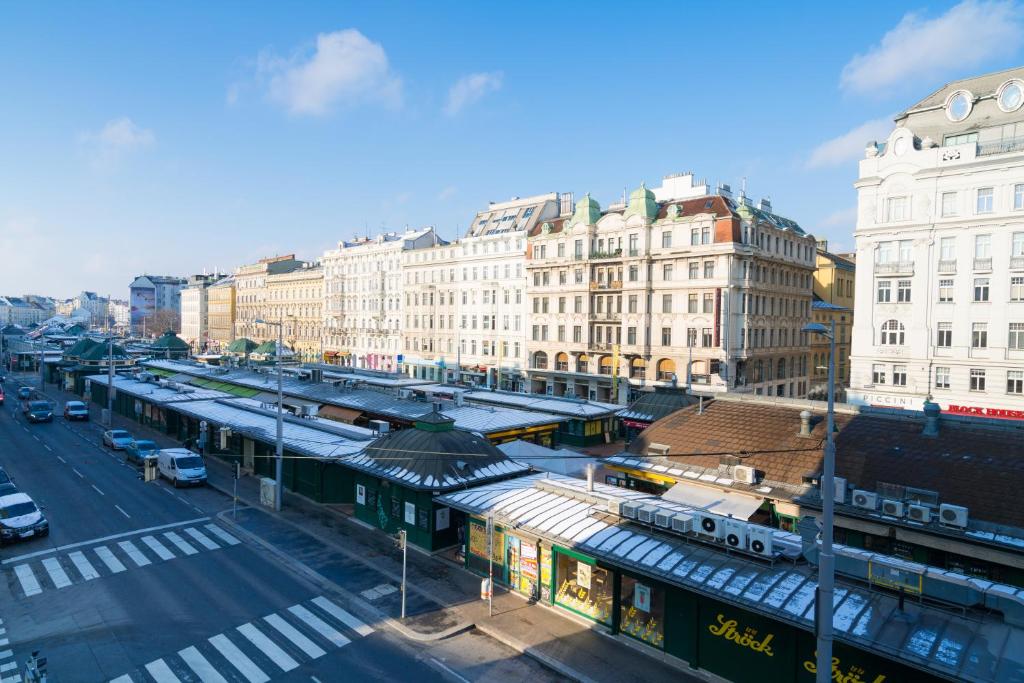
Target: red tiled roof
{"x": 556, "y": 226}
{"x": 715, "y": 204}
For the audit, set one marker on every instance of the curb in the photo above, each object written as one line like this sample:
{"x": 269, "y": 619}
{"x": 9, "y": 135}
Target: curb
{"x": 549, "y": 662}
{"x": 321, "y": 580}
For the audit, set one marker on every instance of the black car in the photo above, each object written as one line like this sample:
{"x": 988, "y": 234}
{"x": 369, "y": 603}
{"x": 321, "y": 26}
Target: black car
{"x": 39, "y": 411}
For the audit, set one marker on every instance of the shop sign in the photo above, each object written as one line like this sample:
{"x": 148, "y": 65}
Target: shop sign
{"x": 545, "y": 574}
{"x": 636, "y": 424}
{"x": 863, "y": 398}
{"x": 642, "y": 597}
{"x": 478, "y": 543}
{"x": 583, "y": 575}
{"x": 853, "y": 674}
{"x": 729, "y": 629}
{"x": 360, "y": 494}
{"x": 443, "y": 518}
{"x": 1000, "y": 413}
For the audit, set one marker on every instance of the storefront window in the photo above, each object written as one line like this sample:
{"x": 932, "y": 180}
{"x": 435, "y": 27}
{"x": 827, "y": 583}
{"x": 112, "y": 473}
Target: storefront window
{"x": 584, "y": 588}
{"x": 643, "y": 612}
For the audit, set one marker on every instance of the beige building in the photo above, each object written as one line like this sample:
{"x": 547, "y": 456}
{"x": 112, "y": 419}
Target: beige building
{"x": 464, "y": 308}
{"x": 679, "y": 286}
{"x": 251, "y": 296}
{"x": 220, "y": 316}
{"x": 195, "y": 311}
{"x": 834, "y": 282}
{"x": 296, "y": 298}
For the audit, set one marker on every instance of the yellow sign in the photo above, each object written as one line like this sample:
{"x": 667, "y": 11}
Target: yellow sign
{"x": 854, "y": 675}
{"x": 478, "y": 543}
{"x": 895, "y": 577}
{"x": 727, "y": 628}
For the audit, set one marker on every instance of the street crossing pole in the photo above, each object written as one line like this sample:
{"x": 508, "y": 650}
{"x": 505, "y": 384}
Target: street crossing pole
{"x": 490, "y": 564}
{"x": 404, "y": 540}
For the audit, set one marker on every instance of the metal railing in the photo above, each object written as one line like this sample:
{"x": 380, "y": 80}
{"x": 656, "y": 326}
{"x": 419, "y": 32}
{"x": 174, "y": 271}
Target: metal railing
{"x": 947, "y": 267}
{"x": 615, "y": 253}
{"x": 896, "y": 268}
{"x": 1001, "y": 146}
{"x": 1017, "y": 263}
{"x": 982, "y": 264}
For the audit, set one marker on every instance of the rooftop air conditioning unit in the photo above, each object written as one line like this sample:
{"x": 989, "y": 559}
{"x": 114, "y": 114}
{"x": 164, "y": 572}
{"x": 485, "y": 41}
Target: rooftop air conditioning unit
{"x": 745, "y": 474}
{"x": 663, "y": 518}
{"x": 405, "y": 393}
{"x": 646, "y": 514}
{"x": 309, "y": 410}
{"x": 735, "y": 533}
{"x": 629, "y": 509}
{"x": 657, "y": 449}
{"x": 893, "y": 508}
{"x": 760, "y": 538}
{"x": 839, "y": 492}
{"x": 682, "y": 522}
{"x": 615, "y": 506}
{"x": 865, "y": 500}
{"x": 919, "y": 513}
{"x": 162, "y": 382}
{"x": 379, "y": 426}
{"x": 707, "y": 524}
{"x": 953, "y": 515}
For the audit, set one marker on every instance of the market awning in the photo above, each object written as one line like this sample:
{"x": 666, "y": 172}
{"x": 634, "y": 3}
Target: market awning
{"x": 340, "y": 414}
{"x": 725, "y": 503}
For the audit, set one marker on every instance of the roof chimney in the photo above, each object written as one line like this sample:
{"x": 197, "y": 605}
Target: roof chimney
{"x": 805, "y": 423}
{"x": 590, "y": 476}
{"x": 931, "y": 419}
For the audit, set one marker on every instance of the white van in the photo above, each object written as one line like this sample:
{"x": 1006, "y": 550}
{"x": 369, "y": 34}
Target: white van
{"x": 181, "y": 466}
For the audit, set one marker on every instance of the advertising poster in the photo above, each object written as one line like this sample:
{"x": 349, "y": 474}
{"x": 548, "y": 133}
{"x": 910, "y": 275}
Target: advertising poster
{"x": 583, "y": 575}
{"x": 360, "y": 494}
{"x": 143, "y": 303}
{"x": 443, "y": 519}
{"x": 642, "y": 597}
{"x": 410, "y": 513}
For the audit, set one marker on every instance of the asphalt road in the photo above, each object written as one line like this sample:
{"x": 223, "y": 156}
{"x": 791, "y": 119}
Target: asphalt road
{"x": 137, "y": 582}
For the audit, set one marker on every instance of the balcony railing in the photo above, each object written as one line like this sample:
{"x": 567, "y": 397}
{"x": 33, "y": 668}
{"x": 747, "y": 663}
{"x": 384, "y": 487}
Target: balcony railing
{"x": 598, "y": 346}
{"x": 1017, "y": 263}
{"x": 896, "y": 268}
{"x": 1001, "y": 146}
{"x": 634, "y": 252}
{"x": 983, "y": 264}
{"x": 611, "y": 284}
{"x": 606, "y": 315}
{"x": 947, "y": 267}
{"x": 615, "y": 253}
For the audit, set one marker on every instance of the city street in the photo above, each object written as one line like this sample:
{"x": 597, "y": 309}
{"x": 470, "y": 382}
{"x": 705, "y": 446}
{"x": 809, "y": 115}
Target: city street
{"x": 138, "y": 582}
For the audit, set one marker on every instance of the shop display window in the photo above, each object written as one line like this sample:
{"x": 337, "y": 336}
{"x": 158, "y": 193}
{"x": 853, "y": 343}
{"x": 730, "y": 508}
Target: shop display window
{"x": 642, "y": 610}
{"x": 584, "y": 588}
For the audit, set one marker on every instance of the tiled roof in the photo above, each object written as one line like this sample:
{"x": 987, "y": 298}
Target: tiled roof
{"x": 716, "y": 205}
{"x": 654, "y": 405}
{"x": 557, "y": 225}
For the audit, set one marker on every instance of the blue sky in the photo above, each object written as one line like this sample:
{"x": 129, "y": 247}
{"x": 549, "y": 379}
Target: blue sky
{"x": 172, "y": 137}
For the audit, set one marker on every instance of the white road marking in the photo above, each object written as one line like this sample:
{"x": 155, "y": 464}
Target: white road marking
{"x": 157, "y": 547}
{"x": 82, "y": 476}
{"x": 180, "y": 543}
{"x": 47, "y": 448}
{"x": 222, "y": 535}
{"x": 26, "y": 429}
{"x": 98, "y": 490}
{"x": 8, "y": 666}
{"x": 35, "y": 437}
{"x": 441, "y": 664}
{"x": 56, "y": 572}
{"x": 268, "y": 647}
{"x": 198, "y": 663}
{"x": 123, "y": 679}
{"x": 134, "y": 553}
{"x": 113, "y": 564}
{"x": 238, "y": 659}
{"x": 203, "y": 540}
{"x": 6, "y": 653}
{"x": 62, "y": 460}
{"x": 342, "y": 616}
{"x": 161, "y": 673}
{"x": 319, "y": 625}
{"x": 123, "y": 512}
{"x": 183, "y": 500}
{"x": 28, "y": 581}
{"x": 4, "y": 642}
{"x": 294, "y": 635}
{"x": 83, "y": 565}
{"x": 166, "y": 490}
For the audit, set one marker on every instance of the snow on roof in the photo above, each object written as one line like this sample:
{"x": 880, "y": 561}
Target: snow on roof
{"x": 571, "y": 407}
{"x": 154, "y": 393}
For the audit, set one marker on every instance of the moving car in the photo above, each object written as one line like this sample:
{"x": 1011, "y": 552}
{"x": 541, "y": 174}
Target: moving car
{"x": 1, "y": 396}
{"x": 76, "y": 410}
{"x": 138, "y": 449}
{"x": 181, "y": 466}
{"x": 39, "y": 411}
{"x": 25, "y": 393}
{"x": 20, "y": 518}
{"x": 4, "y": 477}
{"x": 118, "y": 439}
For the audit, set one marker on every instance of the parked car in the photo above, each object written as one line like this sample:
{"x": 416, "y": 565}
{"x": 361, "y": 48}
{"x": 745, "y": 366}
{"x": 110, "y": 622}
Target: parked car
{"x": 39, "y": 411}
{"x": 24, "y": 393}
{"x": 181, "y": 467}
{"x": 4, "y": 477}
{"x": 7, "y": 489}
{"x": 138, "y": 449}
{"x": 20, "y": 519}
{"x": 118, "y": 439}
{"x": 76, "y": 410}
{"x": 1, "y": 396}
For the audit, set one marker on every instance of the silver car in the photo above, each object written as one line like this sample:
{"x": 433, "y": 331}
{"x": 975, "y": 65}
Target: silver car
{"x": 118, "y": 439}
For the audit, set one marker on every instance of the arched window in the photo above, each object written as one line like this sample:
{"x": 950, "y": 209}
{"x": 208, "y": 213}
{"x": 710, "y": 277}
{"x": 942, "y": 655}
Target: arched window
{"x": 638, "y": 368}
{"x": 605, "y": 366}
{"x": 666, "y": 369}
{"x": 582, "y": 363}
{"x": 892, "y": 333}
{"x": 540, "y": 360}
{"x": 562, "y": 362}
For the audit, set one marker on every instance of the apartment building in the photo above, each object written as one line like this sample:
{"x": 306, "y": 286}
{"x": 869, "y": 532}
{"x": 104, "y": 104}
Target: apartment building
{"x": 195, "y": 310}
{"x": 465, "y": 313}
{"x": 251, "y": 296}
{"x": 834, "y": 279}
{"x": 941, "y": 225}
{"x": 150, "y": 293}
{"x": 679, "y": 286}
{"x": 296, "y": 297}
{"x": 363, "y": 298}
{"x": 220, "y": 309}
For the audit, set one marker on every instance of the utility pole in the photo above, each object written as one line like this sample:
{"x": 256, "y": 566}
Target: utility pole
{"x": 490, "y": 564}
{"x": 110, "y": 380}
{"x": 403, "y": 541}
{"x": 279, "y": 446}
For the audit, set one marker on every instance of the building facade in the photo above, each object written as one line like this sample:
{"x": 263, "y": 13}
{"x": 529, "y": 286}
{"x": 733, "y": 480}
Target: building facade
{"x": 23, "y": 311}
{"x": 252, "y": 296}
{"x": 148, "y": 294}
{"x": 296, "y": 297}
{"x": 195, "y": 311}
{"x": 834, "y": 280}
{"x": 220, "y": 313}
{"x": 464, "y": 316}
{"x": 678, "y": 287}
{"x": 941, "y": 225}
{"x": 363, "y": 298}
{"x": 120, "y": 313}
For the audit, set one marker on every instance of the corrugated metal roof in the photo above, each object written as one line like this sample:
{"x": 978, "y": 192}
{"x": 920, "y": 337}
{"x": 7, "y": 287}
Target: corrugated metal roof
{"x": 154, "y": 393}
{"x": 548, "y": 404}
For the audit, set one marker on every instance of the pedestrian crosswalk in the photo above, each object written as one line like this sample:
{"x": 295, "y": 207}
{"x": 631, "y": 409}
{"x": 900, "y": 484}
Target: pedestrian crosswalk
{"x": 259, "y": 650}
{"x": 88, "y": 564}
{"x": 8, "y": 665}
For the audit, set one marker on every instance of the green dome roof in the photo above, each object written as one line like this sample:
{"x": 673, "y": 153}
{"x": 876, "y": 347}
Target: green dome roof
{"x": 587, "y": 211}
{"x": 169, "y": 342}
{"x": 642, "y": 203}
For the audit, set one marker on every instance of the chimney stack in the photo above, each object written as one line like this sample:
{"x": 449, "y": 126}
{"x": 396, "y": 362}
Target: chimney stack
{"x": 931, "y": 419}
{"x": 590, "y": 476}
{"x": 805, "y": 423}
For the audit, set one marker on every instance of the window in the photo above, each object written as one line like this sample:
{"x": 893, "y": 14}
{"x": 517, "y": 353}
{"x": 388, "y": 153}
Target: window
{"x": 1016, "y": 340}
{"x": 694, "y": 270}
{"x": 1017, "y": 244}
{"x": 1017, "y": 288}
{"x": 896, "y": 208}
{"x": 961, "y": 139}
{"x": 884, "y": 291}
{"x": 709, "y": 269}
{"x": 941, "y": 378}
{"x": 705, "y": 337}
{"x": 577, "y": 304}
{"x": 577, "y": 334}
{"x": 691, "y": 304}
{"x": 878, "y": 374}
{"x": 899, "y": 375}
{"x": 977, "y": 379}
{"x": 666, "y": 303}
{"x": 666, "y": 272}
{"x": 631, "y": 335}
{"x": 709, "y": 302}
{"x": 979, "y": 336}
{"x": 666, "y": 336}
{"x": 631, "y": 303}
{"x": 561, "y": 249}
{"x": 944, "y": 336}
{"x": 1015, "y": 381}
{"x": 892, "y": 333}
{"x": 949, "y": 203}
{"x": 634, "y": 273}
{"x": 983, "y": 246}
{"x": 984, "y": 204}
{"x": 903, "y": 291}
{"x": 561, "y": 305}
{"x": 691, "y": 336}
{"x": 981, "y": 289}
{"x": 947, "y": 249}
{"x": 705, "y": 235}
{"x": 694, "y": 237}
{"x": 666, "y": 239}
{"x": 945, "y": 291}
{"x": 885, "y": 253}
{"x": 633, "y": 241}
{"x": 906, "y": 250}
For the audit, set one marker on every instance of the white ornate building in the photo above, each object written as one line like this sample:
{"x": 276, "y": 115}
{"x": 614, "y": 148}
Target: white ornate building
{"x": 941, "y": 226}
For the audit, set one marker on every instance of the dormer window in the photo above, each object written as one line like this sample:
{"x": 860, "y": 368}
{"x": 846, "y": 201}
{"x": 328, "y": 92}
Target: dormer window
{"x": 1010, "y": 96}
{"x": 959, "y": 105}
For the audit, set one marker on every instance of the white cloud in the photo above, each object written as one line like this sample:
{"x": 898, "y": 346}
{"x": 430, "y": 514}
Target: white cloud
{"x": 345, "y": 67}
{"x": 471, "y": 88}
{"x": 849, "y": 146}
{"x": 841, "y": 217}
{"x": 447, "y": 193}
{"x": 919, "y": 48}
{"x": 115, "y": 140}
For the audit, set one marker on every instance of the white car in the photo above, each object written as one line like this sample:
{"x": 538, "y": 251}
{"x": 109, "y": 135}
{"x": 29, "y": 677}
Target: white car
{"x": 20, "y": 519}
{"x": 118, "y": 439}
{"x": 181, "y": 467}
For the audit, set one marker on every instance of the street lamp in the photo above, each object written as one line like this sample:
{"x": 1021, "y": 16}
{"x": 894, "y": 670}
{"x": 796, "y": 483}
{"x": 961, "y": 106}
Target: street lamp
{"x": 826, "y": 560}
{"x": 279, "y": 447}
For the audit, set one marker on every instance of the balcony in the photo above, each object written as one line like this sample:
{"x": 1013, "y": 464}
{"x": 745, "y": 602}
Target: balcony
{"x": 634, "y": 252}
{"x": 1001, "y": 146}
{"x": 611, "y": 284}
{"x": 983, "y": 265}
{"x": 947, "y": 267}
{"x": 896, "y": 268}
{"x": 610, "y": 316}
{"x": 599, "y": 346}
{"x": 1017, "y": 263}
{"x": 615, "y": 253}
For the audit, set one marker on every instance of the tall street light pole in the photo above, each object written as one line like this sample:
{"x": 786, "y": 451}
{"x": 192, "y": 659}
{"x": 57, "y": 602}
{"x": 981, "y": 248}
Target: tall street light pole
{"x": 110, "y": 381}
{"x": 279, "y": 445}
{"x": 826, "y": 560}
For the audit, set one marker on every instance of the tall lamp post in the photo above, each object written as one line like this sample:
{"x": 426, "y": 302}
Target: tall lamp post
{"x": 826, "y": 560}
{"x": 279, "y": 445}
{"x": 110, "y": 380}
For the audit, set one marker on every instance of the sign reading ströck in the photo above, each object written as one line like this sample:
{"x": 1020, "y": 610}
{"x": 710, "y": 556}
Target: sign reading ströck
{"x": 864, "y": 398}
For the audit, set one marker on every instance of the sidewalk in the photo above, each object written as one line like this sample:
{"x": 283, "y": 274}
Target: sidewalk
{"x": 363, "y": 564}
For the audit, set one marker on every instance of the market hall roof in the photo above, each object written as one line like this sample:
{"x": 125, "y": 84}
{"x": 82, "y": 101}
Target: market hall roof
{"x": 242, "y": 345}
{"x": 169, "y": 341}
{"x": 654, "y": 405}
